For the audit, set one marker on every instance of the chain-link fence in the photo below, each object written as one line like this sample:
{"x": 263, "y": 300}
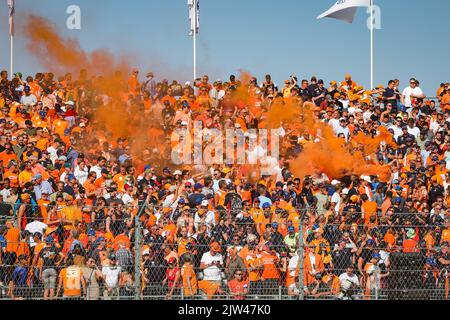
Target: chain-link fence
{"x": 149, "y": 253}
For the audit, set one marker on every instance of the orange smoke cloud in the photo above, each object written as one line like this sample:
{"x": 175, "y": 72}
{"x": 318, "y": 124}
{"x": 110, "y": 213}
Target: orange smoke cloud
{"x": 116, "y": 117}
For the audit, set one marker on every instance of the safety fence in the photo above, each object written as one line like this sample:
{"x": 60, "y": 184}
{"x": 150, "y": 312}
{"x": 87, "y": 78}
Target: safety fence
{"x": 158, "y": 254}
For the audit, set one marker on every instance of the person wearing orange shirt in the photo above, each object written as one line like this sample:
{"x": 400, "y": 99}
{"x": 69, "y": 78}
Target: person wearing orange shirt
{"x": 12, "y": 238}
{"x": 271, "y": 273}
{"x": 238, "y": 286}
{"x": 348, "y": 85}
{"x": 60, "y": 125}
{"x": 170, "y": 98}
{"x": 313, "y": 266}
{"x": 72, "y": 280}
{"x": 368, "y": 208}
{"x": 120, "y": 178}
{"x": 189, "y": 279}
{"x": 410, "y": 244}
{"x": 134, "y": 86}
{"x": 26, "y": 175}
{"x": 12, "y": 174}
{"x": 70, "y": 214}
{"x": 7, "y": 155}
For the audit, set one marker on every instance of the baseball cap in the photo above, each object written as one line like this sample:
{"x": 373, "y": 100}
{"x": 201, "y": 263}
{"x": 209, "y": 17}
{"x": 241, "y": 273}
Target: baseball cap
{"x": 198, "y": 186}
{"x": 91, "y": 232}
{"x": 371, "y": 242}
{"x": 172, "y": 260}
{"x": 49, "y": 239}
{"x": 181, "y": 201}
{"x": 291, "y": 229}
{"x": 275, "y": 225}
{"x": 266, "y": 205}
{"x": 204, "y": 203}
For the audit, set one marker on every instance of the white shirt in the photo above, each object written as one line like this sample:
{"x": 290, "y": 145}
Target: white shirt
{"x": 111, "y": 274}
{"x": 407, "y": 94}
{"x": 126, "y": 198}
{"x": 211, "y": 273}
{"x": 397, "y": 131}
{"x": 335, "y": 124}
{"x": 414, "y": 131}
{"x": 346, "y": 281}
{"x": 31, "y": 99}
{"x": 52, "y": 153}
{"x": 210, "y": 220}
{"x": 293, "y": 263}
{"x": 336, "y": 198}
{"x": 36, "y": 226}
{"x": 97, "y": 170}
{"x": 5, "y": 193}
{"x": 81, "y": 175}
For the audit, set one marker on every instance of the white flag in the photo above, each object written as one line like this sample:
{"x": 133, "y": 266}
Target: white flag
{"x": 194, "y": 16}
{"x": 11, "y": 8}
{"x": 345, "y": 10}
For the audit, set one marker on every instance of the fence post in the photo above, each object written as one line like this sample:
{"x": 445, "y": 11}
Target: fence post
{"x": 300, "y": 253}
{"x": 137, "y": 251}
{"x": 137, "y": 256}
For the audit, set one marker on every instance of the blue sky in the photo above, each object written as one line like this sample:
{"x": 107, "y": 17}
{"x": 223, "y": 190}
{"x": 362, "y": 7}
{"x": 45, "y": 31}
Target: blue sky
{"x": 278, "y": 37}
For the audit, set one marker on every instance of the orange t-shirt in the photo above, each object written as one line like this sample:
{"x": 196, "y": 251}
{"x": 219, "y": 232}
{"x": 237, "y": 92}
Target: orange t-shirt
{"x": 71, "y": 277}
{"x": 12, "y": 237}
{"x": 60, "y": 126}
{"x": 270, "y": 269}
{"x": 409, "y": 246}
{"x": 7, "y": 158}
{"x": 370, "y": 209}
{"x": 188, "y": 276}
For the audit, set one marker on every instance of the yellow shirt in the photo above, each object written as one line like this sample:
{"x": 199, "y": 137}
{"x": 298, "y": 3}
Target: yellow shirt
{"x": 25, "y": 176}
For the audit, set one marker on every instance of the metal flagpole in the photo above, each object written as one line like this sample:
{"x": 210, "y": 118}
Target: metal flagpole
{"x": 195, "y": 39}
{"x": 371, "y": 45}
{"x": 11, "y": 57}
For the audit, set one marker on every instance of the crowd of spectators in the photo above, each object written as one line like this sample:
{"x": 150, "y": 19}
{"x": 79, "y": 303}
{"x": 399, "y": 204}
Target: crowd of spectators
{"x": 77, "y": 213}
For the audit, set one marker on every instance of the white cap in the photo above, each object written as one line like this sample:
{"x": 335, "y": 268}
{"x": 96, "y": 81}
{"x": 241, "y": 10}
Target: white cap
{"x": 365, "y": 178}
{"x": 335, "y": 182}
{"x": 204, "y": 203}
{"x": 177, "y": 172}
{"x": 172, "y": 188}
{"x": 70, "y": 103}
{"x": 184, "y": 123}
{"x": 345, "y": 191}
{"x": 237, "y": 125}
{"x": 63, "y": 158}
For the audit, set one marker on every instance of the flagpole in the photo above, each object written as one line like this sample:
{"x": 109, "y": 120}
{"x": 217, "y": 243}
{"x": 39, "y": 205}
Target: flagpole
{"x": 195, "y": 40}
{"x": 371, "y": 45}
{"x": 11, "y": 57}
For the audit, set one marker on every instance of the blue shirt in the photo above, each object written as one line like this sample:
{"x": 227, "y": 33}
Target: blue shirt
{"x": 19, "y": 276}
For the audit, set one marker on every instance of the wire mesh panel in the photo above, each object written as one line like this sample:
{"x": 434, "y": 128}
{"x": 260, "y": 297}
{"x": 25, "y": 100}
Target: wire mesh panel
{"x": 154, "y": 253}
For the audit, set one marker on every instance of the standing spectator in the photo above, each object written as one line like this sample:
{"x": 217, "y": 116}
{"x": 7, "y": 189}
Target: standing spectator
{"x": 211, "y": 264}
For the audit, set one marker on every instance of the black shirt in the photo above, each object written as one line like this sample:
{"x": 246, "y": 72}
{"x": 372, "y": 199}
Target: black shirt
{"x": 389, "y": 93}
{"x": 341, "y": 260}
{"x": 49, "y": 256}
